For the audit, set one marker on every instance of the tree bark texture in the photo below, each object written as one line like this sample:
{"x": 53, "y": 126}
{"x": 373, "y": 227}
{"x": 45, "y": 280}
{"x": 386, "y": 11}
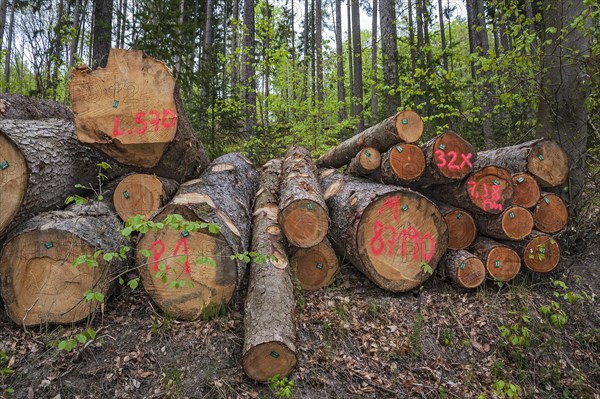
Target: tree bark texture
{"x": 17, "y": 106}
{"x": 102, "y": 32}
{"x": 389, "y": 53}
{"x": 357, "y": 83}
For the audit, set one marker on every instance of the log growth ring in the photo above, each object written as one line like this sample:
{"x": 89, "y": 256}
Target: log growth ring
{"x": 268, "y": 359}
{"x": 549, "y": 163}
{"x": 138, "y": 194}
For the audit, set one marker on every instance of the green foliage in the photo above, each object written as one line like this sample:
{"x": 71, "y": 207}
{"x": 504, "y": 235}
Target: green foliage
{"x": 506, "y": 389}
{"x": 282, "y": 386}
{"x": 82, "y": 338}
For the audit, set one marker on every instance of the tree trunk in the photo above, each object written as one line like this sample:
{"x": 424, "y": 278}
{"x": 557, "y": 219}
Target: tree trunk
{"x": 464, "y": 268}
{"x": 315, "y": 267}
{"x": 357, "y": 61}
{"x": 9, "y": 47}
{"x": 539, "y": 252}
{"x": 544, "y": 159}
{"x": 269, "y": 330}
{"x": 341, "y": 87}
{"x": 368, "y": 218}
{"x": 17, "y": 106}
{"x": 223, "y": 195}
{"x": 470, "y": 4}
{"x": 34, "y": 154}
{"x": 139, "y": 194}
{"x": 449, "y": 158}
{"x": 389, "y": 52}
{"x": 527, "y": 191}
{"x": 39, "y": 284}
{"x": 365, "y": 162}
{"x": 514, "y": 223}
{"x": 501, "y": 262}
{"x": 411, "y": 37}
{"x": 486, "y": 190}
{"x": 319, "y": 49}
{"x": 400, "y": 165}
{"x": 235, "y": 44}
{"x": 304, "y": 216}
{"x": 102, "y": 33}
{"x": 443, "y": 34}
{"x": 3, "y": 9}
{"x": 132, "y": 112}
{"x": 248, "y": 67}
{"x": 550, "y": 214}
{"x": 374, "y": 104}
{"x": 75, "y": 23}
{"x": 350, "y": 62}
{"x": 405, "y": 126}
{"x": 462, "y": 229}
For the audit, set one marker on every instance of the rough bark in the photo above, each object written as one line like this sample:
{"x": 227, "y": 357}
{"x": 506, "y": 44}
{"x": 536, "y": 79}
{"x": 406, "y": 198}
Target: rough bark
{"x": 222, "y": 195}
{"x": 357, "y": 83}
{"x": 389, "y": 233}
{"x": 38, "y": 282}
{"x": 17, "y": 106}
{"x": 132, "y": 112}
{"x": 248, "y": 67}
{"x": 374, "y": 99}
{"x": 139, "y": 194}
{"x": 315, "y": 267}
{"x": 464, "y": 268}
{"x": 443, "y": 34}
{"x": 501, "y": 262}
{"x": 462, "y": 229}
{"x": 341, "y": 87}
{"x": 269, "y": 330}
{"x": 400, "y": 165}
{"x": 405, "y": 126}
{"x": 514, "y": 223}
{"x": 544, "y": 159}
{"x": 365, "y": 162}
{"x": 389, "y": 53}
{"x": 36, "y": 155}
{"x": 303, "y": 214}
{"x": 449, "y": 158}
{"x": 539, "y": 252}
{"x": 102, "y": 32}
{"x": 486, "y": 190}
{"x": 527, "y": 191}
{"x": 550, "y": 214}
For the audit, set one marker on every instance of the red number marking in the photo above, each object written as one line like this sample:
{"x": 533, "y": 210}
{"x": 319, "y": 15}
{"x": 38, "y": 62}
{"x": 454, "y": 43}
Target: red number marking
{"x": 431, "y": 252}
{"x": 116, "y": 132}
{"x": 495, "y": 192}
{"x": 466, "y": 160}
{"x": 157, "y": 253}
{"x": 185, "y": 252}
{"x": 453, "y": 157}
{"x": 441, "y": 158}
{"x": 412, "y": 234}
{"x": 472, "y": 188}
{"x": 170, "y": 116}
{"x": 377, "y": 238}
{"x": 390, "y": 203}
{"x": 140, "y": 121}
{"x": 156, "y": 120}
{"x": 486, "y": 192}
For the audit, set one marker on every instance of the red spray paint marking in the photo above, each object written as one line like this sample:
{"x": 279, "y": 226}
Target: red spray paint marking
{"x": 378, "y": 244}
{"x": 390, "y": 203}
{"x": 451, "y": 164}
{"x": 490, "y": 199}
{"x": 185, "y": 252}
{"x": 168, "y": 120}
{"x": 156, "y": 254}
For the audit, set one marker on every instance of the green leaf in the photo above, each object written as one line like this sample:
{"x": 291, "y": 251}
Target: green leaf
{"x": 108, "y": 256}
{"x": 145, "y": 253}
{"x": 81, "y": 338}
{"x": 213, "y": 228}
{"x": 121, "y": 281}
{"x": 104, "y": 165}
{"x": 133, "y": 283}
{"x": 100, "y": 197}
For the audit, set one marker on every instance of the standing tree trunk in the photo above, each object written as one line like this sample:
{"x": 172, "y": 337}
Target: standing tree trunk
{"x": 389, "y": 53}
{"x": 319, "y": 49}
{"x": 374, "y": 104}
{"x": 235, "y": 44}
{"x": 411, "y": 37}
{"x": 3, "y": 9}
{"x": 9, "y": 47}
{"x": 248, "y": 68}
{"x": 102, "y": 33}
{"x": 75, "y": 23}
{"x": 357, "y": 61}
{"x": 350, "y": 61}
{"x": 443, "y": 34}
{"x": 341, "y": 87}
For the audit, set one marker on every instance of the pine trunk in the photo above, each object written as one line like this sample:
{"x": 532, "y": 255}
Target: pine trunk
{"x": 389, "y": 54}
{"x": 527, "y": 191}
{"x": 269, "y": 330}
{"x": 365, "y": 162}
{"x": 462, "y": 229}
{"x": 449, "y": 158}
{"x": 464, "y": 268}
{"x": 367, "y": 220}
{"x": 550, "y": 214}
{"x": 501, "y": 262}
{"x": 315, "y": 267}
{"x": 223, "y": 195}
{"x": 514, "y": 223}
{"x": 139, "y": 194}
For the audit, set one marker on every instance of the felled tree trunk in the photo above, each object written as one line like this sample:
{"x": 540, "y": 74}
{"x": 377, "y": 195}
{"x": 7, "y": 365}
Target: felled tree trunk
{"x": 487, "y": 190}
{"x": 550, "y": 214}
{"x": 464, "y": 268}
{"x": 269, "y": 330}
{"x": 527, "y": 191}
{"x": 405, "y": 126}
{"x": 303, "y": 215}
{"x": 40, "y": 164}
{"x": 315, "y": 267}
{"x": 501, "y": 262}
{"x": 365, "y": 162}
{"x": 449, "y": 158}
{"x": 514, "y": 223}
{"x": 140, "y": 194}
{"x": 17, "y": 106}
{"x": 393, "y": 235}
{"x": 38, "y": 281}
{"x": 540, "y": 252}
{"x": 543, "y": 158}
{"x": 132, "y": 112}
{"x": 400, "y": 165}
{"x": 223, "y": 195}
{"x": 461, "y": 226}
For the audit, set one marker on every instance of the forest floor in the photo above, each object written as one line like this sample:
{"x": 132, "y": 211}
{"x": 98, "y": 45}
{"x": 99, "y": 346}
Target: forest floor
{"x": 354, "y": 341}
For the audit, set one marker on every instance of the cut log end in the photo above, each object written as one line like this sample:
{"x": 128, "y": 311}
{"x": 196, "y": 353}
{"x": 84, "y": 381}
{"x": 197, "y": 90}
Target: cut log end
{"x": 527, "y": 190}
{"x": 267, "y": 360}
{"x": 138, "y": 194}
{"x": 453, "y": 156}
{"x": 39, "y": 283}
{"x": 490, "y": 189}
{"x": 517, "y": 222}
{"x": 503, "y": 263}
{"x": 541, "y": 254}
{"x": 400, "y": 236}
{"x": 13, "y": 180}
{"x": 462, "y": 229}
{"x": 550, "y": 214}
{"x": 409, "y": 126}
{"x": 471, "y": 273}
{"x": 180, "y": 275}
{"x": 315, "y": 267}
{"x": 304, "y": 223}
{"x": 365, "y": 162}
{"x": 549, "y": 163}
{"x": 407, "y": 162}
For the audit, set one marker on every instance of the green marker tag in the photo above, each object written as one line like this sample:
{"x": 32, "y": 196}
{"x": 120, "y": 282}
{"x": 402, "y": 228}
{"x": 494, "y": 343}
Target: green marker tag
{"x": 520, "y": 180}
{"x": 4, "y": 165}
{"x": 126, "y": 194}
{"x": 459, "y": 215}
{"x": 115, "y": 103}
{"x": 405, "y": 121}
{"x": 368, "y": 154}
{"x": 319, "y": 266}
{"x": 49, "y": 244}
{"x": 496, "y": 182}
{"x": 274, "y": 354}
{"x": 442, "y": 147}
{"x": 497, "y": 264}
{"x": 511, "y": 215}
{"x": 547, "y": 200}
{"x": 309, "y": 206}
{"x": 541, "y": 157}
{"x": 185, "y": 233}
{"x": 399, "y": 148}
{"x": 462, "y": 266}
{"x": 405, "y": 208}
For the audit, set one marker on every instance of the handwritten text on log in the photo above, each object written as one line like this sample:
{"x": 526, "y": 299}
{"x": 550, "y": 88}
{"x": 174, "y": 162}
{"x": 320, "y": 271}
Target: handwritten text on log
{"x": 489, "y": 193}
{"x": 449, "y": 160}
{"x": 167, "y": 121}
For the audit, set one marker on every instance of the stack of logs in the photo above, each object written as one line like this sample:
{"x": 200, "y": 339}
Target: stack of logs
{"x": 397, "y": 212}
